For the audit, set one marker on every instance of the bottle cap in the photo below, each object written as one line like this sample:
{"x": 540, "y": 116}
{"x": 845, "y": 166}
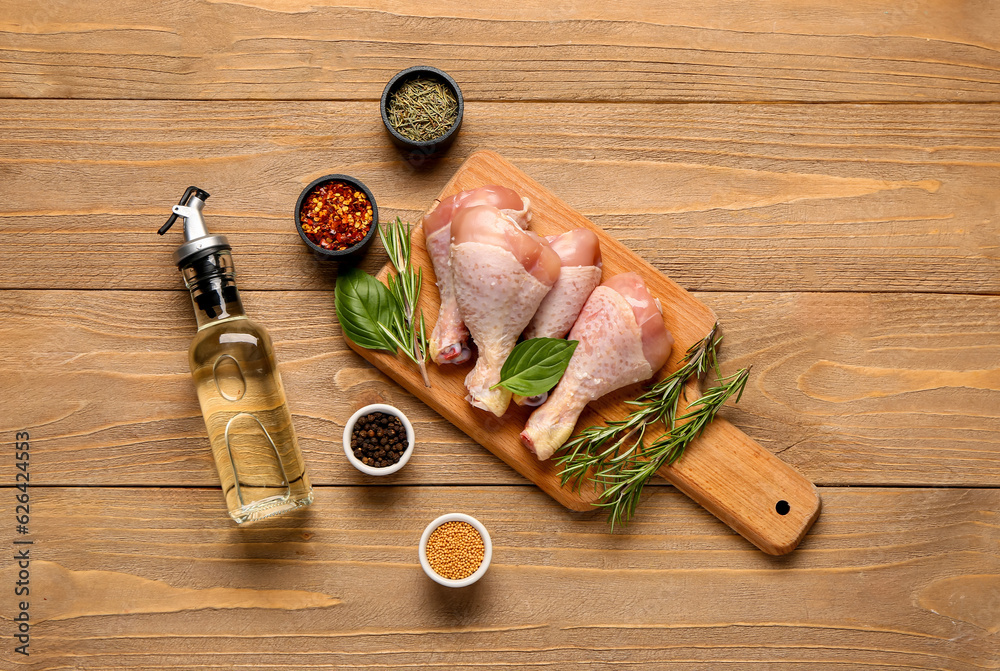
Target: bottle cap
{"x": 198, "y": 242}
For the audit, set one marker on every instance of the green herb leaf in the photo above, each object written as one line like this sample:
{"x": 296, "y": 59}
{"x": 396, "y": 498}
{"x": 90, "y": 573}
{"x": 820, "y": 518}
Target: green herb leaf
{"x": 407, "y": 331}
{"x": 362, "y": 304}
{"x": 536, "y": 365}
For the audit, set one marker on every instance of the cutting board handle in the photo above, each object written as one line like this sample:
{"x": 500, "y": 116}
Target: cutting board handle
{"x": 761, "y": 497}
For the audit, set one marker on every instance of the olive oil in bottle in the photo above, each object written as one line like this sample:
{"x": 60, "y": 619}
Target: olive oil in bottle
{"x": 236, "y": 376}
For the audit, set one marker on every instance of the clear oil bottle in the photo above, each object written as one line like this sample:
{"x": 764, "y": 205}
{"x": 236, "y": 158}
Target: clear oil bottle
{"x": 236, "y": 376}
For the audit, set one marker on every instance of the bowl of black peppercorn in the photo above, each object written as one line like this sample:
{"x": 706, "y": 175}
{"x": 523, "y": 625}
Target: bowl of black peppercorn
{"x": 378, "y": 439}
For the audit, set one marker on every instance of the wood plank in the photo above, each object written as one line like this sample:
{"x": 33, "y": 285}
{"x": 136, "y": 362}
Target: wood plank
{"x": 777, "y": 50}
{"x": 160, "y": 579}
{"x": 717, "y": 197}
{"x": 726, "y": 471}
{"x": 862, "y": 384}
{"x": 849, "y": 388}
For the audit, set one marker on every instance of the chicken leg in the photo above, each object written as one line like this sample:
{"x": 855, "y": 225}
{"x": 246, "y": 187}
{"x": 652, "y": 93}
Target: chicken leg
{"x": 501, "y": 274}
{"x": 448, "y": 339}
{"x": 623, "y": 340}
{"x": 579, "y": 253}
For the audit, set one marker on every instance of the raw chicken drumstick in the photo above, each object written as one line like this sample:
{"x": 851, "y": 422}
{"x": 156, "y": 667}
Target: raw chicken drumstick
{"x": 501, "y": 274}
{"x": 579, "y": 254}
{"x": 448, "y": 339}
{"x": 622, "y": 341}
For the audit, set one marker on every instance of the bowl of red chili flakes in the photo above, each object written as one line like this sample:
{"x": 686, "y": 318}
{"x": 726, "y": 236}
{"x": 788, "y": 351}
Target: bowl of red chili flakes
{"x": 336, "y": 217}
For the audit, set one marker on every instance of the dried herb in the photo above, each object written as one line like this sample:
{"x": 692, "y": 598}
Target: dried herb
{"x": 536, "y": 365}
{"x": 616, "y": 455}
{"x": 422, "y": 109}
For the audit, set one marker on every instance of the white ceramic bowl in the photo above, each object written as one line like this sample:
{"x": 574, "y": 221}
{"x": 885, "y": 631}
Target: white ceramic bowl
{"x": 487, "y": 556}
{"x": 349, "y": 428}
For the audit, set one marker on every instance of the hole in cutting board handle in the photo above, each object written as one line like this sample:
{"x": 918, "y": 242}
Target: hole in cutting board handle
{"x": 782, "y": 507}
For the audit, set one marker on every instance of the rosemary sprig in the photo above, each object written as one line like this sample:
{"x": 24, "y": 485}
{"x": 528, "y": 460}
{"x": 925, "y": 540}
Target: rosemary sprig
{"x": 617, "y": 454}
{"x": 407, "y": 330}
{"x": 599, "y": 446}
{"x": 624, "y": 486}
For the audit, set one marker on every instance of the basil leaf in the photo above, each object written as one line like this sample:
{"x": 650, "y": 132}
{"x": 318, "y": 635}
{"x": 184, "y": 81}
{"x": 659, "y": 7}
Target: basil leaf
{"x": 362, "y": 303}
{"x": 536, "y": 365}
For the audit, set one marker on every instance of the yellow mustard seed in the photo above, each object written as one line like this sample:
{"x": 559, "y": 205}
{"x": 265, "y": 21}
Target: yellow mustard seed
{"x": 455, "y": 550}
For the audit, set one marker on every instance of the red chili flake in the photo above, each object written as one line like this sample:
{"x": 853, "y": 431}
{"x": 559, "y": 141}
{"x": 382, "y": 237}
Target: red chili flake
{"x": 336, "y": 216}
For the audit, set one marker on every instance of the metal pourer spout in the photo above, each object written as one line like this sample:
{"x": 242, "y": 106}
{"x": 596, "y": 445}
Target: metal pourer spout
{"x": 198, "y": 242}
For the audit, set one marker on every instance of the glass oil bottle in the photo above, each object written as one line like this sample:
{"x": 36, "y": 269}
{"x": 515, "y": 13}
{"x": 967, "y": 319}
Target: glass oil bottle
{"x": 236, "y": 376}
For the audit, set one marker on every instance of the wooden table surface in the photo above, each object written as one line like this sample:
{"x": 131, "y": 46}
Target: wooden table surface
{"x": 824, "y": 175}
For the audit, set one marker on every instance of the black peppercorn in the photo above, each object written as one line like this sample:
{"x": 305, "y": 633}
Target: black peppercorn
{"x": 378, "y": 440}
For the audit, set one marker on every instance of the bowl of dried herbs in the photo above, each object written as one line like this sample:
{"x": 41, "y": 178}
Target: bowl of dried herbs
{"x": 422, "y": 110}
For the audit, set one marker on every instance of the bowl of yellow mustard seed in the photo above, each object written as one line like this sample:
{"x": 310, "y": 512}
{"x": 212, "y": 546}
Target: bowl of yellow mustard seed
{"x": 455, "y": 550}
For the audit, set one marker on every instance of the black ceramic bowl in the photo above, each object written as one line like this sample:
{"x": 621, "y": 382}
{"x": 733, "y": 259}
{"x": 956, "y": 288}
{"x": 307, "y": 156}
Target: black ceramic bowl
{"x": 350, "y": 253}
{"x": 429, "y": 149}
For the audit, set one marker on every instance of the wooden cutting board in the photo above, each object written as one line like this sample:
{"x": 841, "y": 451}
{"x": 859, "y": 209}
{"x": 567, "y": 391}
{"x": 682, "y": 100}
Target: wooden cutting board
{"x": 725, "y": 471}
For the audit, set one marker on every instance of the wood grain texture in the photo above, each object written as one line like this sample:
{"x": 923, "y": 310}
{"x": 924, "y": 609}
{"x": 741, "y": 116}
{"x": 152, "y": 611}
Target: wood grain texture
{"x": 725, "y": 470}
{"x": 818, "y": 50}
{"x": 888, "y": 579}
{"x": 735, "y": 200}
{"x": 849, "y": 388}
{"x": 717, "y": 197}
